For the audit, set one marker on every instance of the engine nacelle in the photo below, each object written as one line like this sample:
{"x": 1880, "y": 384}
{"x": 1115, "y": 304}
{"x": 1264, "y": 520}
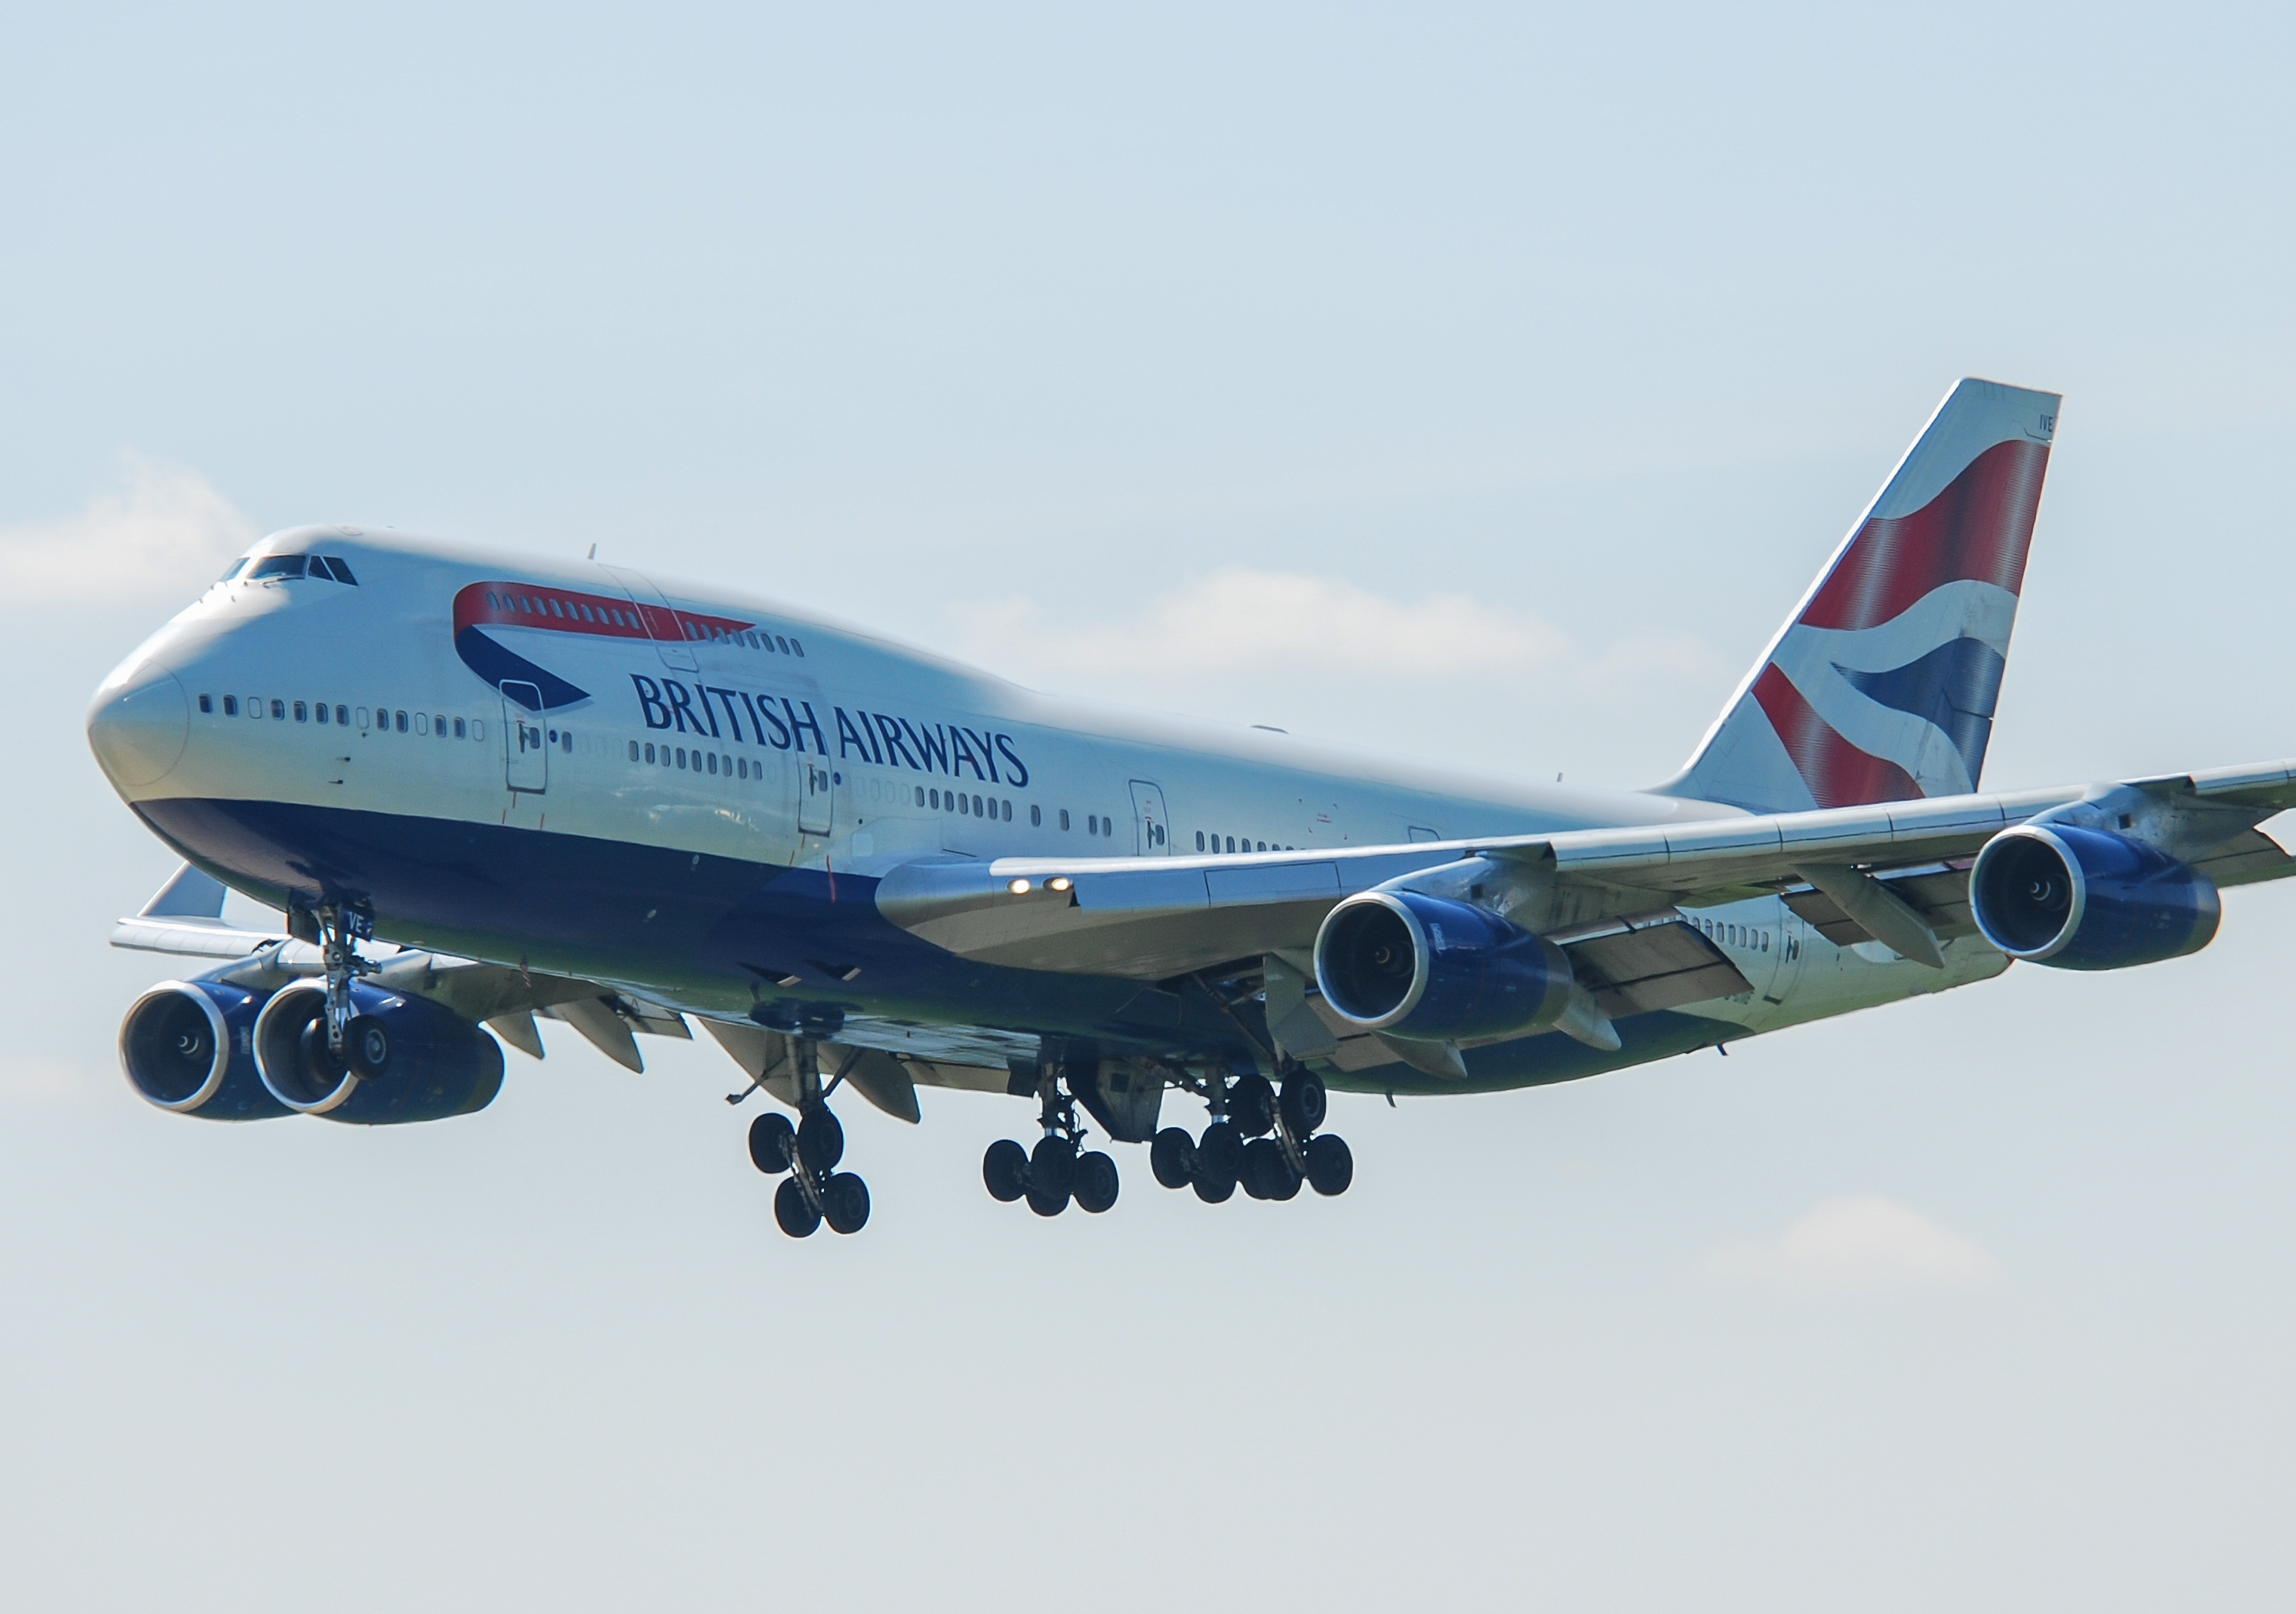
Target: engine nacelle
{"x": 2087, "y": 899}
{"x": 1436, "y": 970}
{"x": 404, "y": 1059}
{"x": 184, "y": 1045}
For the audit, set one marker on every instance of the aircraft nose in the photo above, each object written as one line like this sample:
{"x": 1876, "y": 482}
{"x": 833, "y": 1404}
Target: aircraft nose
{"x": 138, "y": 724}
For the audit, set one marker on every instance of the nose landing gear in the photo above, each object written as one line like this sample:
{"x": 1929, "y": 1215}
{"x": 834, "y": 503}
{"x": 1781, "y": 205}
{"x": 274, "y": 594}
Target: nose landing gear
{"x": 814, "y": 1190}
{"x": 1058, "y": 1169}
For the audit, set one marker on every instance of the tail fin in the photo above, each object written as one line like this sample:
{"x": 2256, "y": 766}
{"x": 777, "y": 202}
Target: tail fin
{"x": 1881, "y": 686}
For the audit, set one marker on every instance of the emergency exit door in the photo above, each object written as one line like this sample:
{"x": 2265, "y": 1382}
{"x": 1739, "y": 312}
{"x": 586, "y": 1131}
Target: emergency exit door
{"x": 526, "y": 751}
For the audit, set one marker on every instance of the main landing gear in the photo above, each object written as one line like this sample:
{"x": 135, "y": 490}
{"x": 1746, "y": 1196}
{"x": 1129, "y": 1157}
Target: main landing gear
{"x": 814, "y": 1190}
{"x": 1259, "y": 1139}
{"x": 1058, "y": 1169}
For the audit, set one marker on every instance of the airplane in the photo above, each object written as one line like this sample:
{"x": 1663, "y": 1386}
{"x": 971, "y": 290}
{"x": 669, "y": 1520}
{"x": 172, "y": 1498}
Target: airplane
{"x": 483, "y": 786}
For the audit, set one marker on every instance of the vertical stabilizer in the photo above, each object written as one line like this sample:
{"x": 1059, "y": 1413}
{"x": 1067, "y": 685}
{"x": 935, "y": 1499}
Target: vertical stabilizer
{"x": 1881, "y": 686}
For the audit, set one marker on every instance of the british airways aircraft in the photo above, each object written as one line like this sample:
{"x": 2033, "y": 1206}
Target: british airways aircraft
{"x": 483, "y": 787}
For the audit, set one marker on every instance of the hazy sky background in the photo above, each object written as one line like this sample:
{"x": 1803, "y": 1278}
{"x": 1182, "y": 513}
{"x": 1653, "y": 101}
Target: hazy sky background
{"x": 1483, "y": 383}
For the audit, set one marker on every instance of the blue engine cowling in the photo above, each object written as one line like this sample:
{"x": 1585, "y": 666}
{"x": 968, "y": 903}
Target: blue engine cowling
{"x": 2087, "y": 899}
{"x": 185, "y": 1046}
{"x": 1439, "y": 971}
{"x": 404, "y": 1059}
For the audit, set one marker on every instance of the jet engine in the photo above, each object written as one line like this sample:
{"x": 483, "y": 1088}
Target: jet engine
{"x": 185, "y": 1046}
{"x": 403, "y": 1058}
{"x": 2088, "y": 899}
{"x": 1435, "y": 969}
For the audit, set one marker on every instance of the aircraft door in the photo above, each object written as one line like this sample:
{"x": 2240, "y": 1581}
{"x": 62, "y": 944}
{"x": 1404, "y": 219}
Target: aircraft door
{"x": 653, "y": 611}
{"x": 1151, "y": 831}
{"x": 526, "y": 753}
{"x": 814, "y": 799}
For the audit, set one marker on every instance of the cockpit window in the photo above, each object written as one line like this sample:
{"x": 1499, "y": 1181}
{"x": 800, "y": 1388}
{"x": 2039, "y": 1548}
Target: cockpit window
{"x": 278, "y": 566}
{"x": 322, "y": 565}
{"x": 234, "y": 570}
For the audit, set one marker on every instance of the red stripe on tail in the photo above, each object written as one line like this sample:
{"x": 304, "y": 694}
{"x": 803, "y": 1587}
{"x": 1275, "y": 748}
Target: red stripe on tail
{"x": 1980, "y": 526}
{"x": 1838, "y": 773}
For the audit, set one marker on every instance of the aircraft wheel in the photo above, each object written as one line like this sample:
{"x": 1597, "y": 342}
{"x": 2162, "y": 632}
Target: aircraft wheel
{"x": 1052, "y": 1173}
{"x": 794, "y": 1211}
{"x": 1305, "y": 1102}
{"x": 1096, "y": 1182}
{"x": 1330, "y": 1164}
{"x": 1005, "y": 1169}
{"x": 1219, "y": 1156}
{"x": 1172, "y": 1157}
{"x": 820, "y": 1140}
{"x": 1251, "y": 1105}
{"x": 772, "y": 1143}
{"x": 844, "y": 1202}
{"x": 1263, "y": 1159}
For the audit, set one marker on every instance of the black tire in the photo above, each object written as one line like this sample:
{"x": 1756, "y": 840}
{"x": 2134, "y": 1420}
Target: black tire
{"x": 845, "y": 1203}
{"x": 1172, "y": 1157}
{"x": 1004, "y": 1168}
{"x": 1052, "y": 1166}
{"x": 794, "y": 1211}
{"x": 1330, "y": 1164}
{"x": 772, "y": 1142}
{"x": 1305, "y": 1102}
{"x": 366, "y": 1046}
{"x": 1252, "y": 1106}
{"x": 1046, "y": 1199}
{"x": 820, "y": 1140}
{"x": 1283, "y": 1177}
{"x": 1096, "y": 1182}
{"x": 1219, "y": 1156}
{"x": 1263, "y": 1167}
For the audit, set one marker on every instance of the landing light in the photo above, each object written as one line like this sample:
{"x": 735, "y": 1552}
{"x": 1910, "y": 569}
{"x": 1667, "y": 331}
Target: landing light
{"x": 1019, "y": 887}
{"x": 1058, "y": 882}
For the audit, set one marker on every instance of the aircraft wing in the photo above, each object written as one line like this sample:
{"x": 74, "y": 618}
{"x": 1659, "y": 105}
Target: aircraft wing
{"x": 185, "y": 919}
{"x": 1894, "y": 872}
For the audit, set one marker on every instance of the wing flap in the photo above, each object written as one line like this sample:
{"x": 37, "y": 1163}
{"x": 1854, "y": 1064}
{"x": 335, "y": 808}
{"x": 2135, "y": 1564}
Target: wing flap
{"x": 1657, "y": 961}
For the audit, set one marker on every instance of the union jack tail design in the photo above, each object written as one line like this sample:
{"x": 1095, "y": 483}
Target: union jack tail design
{"x": 1881, "y": 686}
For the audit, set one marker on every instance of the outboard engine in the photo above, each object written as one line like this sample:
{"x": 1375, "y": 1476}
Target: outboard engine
{"x": 1439, "y": 970}
{"x": 404, "y": 1059}
{"x": 2088, "y": 899}
{"x": 185, "y": 1046}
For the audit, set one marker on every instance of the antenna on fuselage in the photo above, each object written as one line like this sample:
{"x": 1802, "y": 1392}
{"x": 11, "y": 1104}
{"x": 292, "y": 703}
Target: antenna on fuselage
{"x": 593, "y": 551}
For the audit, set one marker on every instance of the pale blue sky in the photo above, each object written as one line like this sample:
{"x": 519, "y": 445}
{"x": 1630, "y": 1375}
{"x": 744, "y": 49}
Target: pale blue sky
{"x": 1123, "y": 351}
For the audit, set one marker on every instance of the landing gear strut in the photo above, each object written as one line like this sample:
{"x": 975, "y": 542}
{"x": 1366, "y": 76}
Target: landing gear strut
{"x": 1259, "y": 1139}
{"x": 814, "y": 1190}
{"x": 1058, "y": 1169}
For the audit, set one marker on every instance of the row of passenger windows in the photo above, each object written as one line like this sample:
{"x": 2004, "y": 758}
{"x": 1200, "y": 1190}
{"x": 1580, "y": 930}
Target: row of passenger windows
{"x": 1754, "y": 938}
{"x": 695, "y": 761}
{"x": 614, "y": 616}
{"x": 1237, "y": 843}
{"x": 383, "y": 720}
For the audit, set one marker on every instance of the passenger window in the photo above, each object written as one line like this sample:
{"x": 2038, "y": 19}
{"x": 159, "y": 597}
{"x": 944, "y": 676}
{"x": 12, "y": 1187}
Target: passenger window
{"x": 231, "y": 706}
{"x": 362, "y": 719}
{"x": 1064, "y": 818}
{"x": 255, "y": 706}
{"x": 1008, "y": 812}
{"x": 920, "y": 795}
{"x": 797, "y": 647}
{"x": 206, "y": 703}
{"x": 963, "y": 807}
{"x": 1092, "y": 824}
{"x": 713, "y": 764}
{"x": 422, "y": 723}
{"x": 783, "y": 643}
{"x": 279, "y": 711}
{"x": 461, "y": 728}
{"x": 1036, "y": 818}
{"x": 322, "y": 713}
{"x": 1231, "y": 843}
{"x": 439, "y": 725}
{"x": 400, "y": 724}
{"x": 1263, "y": 846}
{"x": 1200, "y": 840}
{"x": 478, "y": 729}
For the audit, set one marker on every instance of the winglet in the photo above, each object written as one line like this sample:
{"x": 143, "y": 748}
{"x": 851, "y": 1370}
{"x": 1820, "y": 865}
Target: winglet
{"x": 189, "y": 894}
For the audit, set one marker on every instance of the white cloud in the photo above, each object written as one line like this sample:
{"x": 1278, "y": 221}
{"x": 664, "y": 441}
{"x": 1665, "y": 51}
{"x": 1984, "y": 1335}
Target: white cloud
{"x": 163, "y": 531}
{"x": 1864, "y": 1245}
